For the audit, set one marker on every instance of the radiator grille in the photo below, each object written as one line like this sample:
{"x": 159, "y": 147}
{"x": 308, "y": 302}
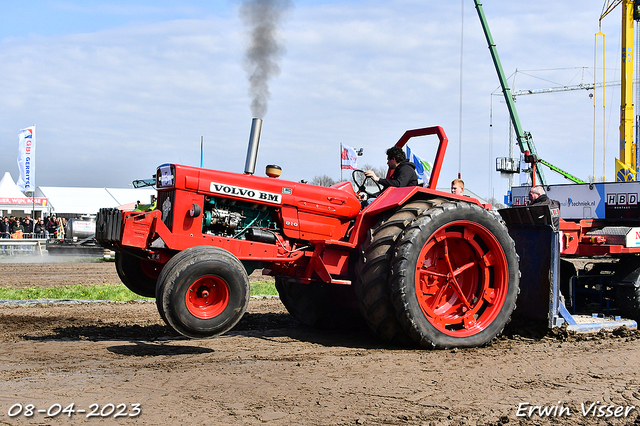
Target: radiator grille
{"x": 165, "y": 205}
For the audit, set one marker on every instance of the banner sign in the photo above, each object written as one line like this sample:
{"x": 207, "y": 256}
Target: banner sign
{"x": 24, "y": 201}
{"x": 27, "y": 159}
{"x": 610, "y": 200}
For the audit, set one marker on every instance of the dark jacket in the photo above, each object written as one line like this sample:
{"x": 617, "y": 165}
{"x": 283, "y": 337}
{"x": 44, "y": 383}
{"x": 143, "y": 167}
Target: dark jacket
{"x": 28, "y": 225}
{"x": 16, "y": 228}
{"x": 52, "y": 226}
{"x": 554, "y": 206}
{"x": 403, "y": 175}
{"x": 5, "y": 228}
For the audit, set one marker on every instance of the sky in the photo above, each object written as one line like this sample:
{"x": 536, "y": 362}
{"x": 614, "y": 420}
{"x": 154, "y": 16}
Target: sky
{"x": 116, "y": 88}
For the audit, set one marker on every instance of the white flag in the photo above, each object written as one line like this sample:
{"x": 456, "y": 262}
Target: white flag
{"x": 27, "y": 159}
{"x": 349, "y": 157}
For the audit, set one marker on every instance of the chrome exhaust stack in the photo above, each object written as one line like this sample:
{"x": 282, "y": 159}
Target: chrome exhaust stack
{"x": 252, "y": 150}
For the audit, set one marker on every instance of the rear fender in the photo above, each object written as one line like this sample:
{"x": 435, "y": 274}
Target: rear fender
{"x": 391, "y": 199}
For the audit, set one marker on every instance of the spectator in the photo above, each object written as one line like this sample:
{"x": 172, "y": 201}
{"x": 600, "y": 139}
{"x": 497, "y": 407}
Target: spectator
{"x": 28, "y": 226}
{"x": 39, "y": 229}
{"x": 457, "y": 187}
{"x": 5, "y": 228}
{"x": 17, "y": 227}
{"x": 537, "y": 196}
{"x": 52, "y": 227}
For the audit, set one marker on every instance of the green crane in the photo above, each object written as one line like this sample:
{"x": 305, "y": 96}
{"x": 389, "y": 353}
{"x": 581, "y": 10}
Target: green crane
{"x": 525, "y": 141}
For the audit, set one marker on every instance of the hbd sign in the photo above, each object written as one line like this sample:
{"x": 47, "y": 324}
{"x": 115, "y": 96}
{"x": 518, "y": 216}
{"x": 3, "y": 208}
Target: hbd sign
{"x": 622, "y": 199}
{"x": 621, "y": 205}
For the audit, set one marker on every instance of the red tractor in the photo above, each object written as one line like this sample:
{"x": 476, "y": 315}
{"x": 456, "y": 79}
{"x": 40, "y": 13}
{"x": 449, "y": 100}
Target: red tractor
{"x": 421, "y": 266}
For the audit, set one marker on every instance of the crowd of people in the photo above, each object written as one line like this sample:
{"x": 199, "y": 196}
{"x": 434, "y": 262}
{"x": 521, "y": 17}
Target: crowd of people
{"x": 26, "y": 227}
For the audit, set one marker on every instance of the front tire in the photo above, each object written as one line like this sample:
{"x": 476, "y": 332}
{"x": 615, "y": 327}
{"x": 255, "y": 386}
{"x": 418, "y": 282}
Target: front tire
{"x": 455, "y": 277}
{"x": 138, "y": 275}
{"x": 204, "y": 292}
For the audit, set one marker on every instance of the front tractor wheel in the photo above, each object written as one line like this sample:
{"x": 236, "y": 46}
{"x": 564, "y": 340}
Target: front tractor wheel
{"x": 204, "y": 292}
{"x": 138, "y": 275}
{"x": 455, "y": 277}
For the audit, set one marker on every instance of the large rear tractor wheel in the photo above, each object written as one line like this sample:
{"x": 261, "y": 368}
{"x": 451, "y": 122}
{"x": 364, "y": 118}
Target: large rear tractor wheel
{"x": 455, "y": 277}
{"x": 203, "y": 292}
{"x": 318, "y": 304}
{"x": 373, "y": 287}
{"x": 138, "y": 275}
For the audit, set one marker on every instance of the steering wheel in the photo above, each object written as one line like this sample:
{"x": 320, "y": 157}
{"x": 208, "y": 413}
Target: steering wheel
{"x": 361, "y": 180}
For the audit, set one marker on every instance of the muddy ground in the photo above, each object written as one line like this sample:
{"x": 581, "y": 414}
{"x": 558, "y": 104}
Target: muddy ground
{"x": 270, "y": 370}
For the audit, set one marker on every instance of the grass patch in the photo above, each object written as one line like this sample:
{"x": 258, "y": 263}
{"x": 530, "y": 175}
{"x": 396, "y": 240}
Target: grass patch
{"x": 118, "y": 293}
{"x": 95, "y": 292}
{"x": 263, "y": 288}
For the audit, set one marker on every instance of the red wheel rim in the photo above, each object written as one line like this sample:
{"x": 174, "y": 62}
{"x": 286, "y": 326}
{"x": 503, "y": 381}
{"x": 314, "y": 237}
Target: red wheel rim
{"x": 461, "y": 278}
{"x": 207, "y": 297}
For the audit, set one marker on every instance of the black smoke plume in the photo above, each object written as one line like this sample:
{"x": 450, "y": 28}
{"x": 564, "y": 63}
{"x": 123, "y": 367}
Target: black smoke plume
{"x": 262, "y": 17}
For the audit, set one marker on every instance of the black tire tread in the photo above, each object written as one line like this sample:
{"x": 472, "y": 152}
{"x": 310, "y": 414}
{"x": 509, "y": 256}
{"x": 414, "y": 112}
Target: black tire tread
{"x": 373, "y": 272}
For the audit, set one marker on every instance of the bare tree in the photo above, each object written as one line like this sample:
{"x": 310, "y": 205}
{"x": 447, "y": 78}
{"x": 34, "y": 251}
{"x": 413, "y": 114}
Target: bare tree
{"x": 323, "y": 180}
{"x": 495, "y": 203}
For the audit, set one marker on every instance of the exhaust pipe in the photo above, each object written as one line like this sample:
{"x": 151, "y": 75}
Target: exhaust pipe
{"x": 252, "y": 150}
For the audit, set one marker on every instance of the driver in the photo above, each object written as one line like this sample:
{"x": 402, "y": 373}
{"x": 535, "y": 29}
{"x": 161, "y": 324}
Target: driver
{"x": 402, "y": 172}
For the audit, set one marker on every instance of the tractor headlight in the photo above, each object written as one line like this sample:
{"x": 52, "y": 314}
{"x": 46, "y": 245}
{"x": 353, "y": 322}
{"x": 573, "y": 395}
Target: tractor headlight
{"x": 166, "y": 176}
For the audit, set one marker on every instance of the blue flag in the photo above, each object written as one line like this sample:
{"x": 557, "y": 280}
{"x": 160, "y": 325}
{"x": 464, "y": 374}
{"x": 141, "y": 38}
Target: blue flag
{"x": 423, "y": 168}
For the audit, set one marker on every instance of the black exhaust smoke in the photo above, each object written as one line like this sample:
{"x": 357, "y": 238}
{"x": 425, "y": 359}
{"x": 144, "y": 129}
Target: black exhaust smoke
{"x": 252, "y": 150}
{"x": 262, "y": 18}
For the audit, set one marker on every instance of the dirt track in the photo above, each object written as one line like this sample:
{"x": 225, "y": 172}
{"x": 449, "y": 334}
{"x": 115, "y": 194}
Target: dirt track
{"x": 269, "y": 370}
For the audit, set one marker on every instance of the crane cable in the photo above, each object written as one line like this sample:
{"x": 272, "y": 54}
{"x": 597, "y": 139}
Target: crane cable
{"x": 460, "y": 110}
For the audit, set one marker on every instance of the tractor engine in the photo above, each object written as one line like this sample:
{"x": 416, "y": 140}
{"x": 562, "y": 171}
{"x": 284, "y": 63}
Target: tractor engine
{"x": 238, "y": 219}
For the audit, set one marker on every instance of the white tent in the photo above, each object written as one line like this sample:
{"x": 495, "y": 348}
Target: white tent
{"x": 13, "y": 200}
{"x": 129, "y": 195}
{"x": 66, "y": 200}
{"x": 8, "y": 188}
{"x": 75, "y": 200}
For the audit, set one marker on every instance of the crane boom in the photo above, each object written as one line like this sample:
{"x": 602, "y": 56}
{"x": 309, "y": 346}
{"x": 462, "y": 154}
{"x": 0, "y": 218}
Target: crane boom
{"x": 626, "y": 165}
{"x": 580, "y": 86}
{"x": 524, "y": 139}
{"x": 567, "y": 175}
